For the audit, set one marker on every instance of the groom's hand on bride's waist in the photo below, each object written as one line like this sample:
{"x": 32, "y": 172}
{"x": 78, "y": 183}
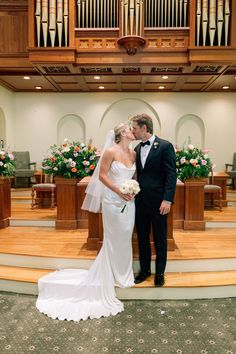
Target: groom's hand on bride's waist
{"x": 165, "y": 207}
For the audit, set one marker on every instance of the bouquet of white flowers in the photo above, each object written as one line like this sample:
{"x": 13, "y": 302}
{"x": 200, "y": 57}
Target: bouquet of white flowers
{"x": 129, "y": 187}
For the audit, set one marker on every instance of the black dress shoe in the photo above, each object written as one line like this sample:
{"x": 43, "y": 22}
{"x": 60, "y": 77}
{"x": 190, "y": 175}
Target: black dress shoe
{"x": 159, "y": 280}
{"x": 141, "y": 277}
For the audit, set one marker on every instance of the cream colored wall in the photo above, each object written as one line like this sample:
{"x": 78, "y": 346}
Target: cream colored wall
{"x": 6, "y": 116}
{"x": 208, "y": 119}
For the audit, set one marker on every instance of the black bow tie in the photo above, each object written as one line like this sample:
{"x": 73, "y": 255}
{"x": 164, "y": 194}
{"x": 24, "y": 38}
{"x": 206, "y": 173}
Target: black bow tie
{"x": 146, "y": 143}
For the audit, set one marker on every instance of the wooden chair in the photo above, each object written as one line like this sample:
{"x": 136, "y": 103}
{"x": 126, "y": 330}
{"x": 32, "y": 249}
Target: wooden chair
{"x": 213, "y": 192}
{"x": 45, "y": 190}
{"x": 23, "y": 171}
{"x": 232, "y": 172}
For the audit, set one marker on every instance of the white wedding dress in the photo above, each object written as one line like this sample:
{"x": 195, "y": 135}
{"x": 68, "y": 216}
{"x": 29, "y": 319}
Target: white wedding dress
{"x": 78, "y": 294}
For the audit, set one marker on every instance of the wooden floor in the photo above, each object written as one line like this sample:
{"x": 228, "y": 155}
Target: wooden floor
{"x": 48, "y": 242}
{"x": 215, "y": 243}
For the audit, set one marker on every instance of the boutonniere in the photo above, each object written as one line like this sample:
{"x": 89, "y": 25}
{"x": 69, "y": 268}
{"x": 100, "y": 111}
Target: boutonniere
{"x": 155, "y": 145}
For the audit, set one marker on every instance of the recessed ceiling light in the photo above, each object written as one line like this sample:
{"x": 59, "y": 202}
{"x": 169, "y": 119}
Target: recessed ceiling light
{"x": 161, "y": 87}
{"x": 97, "y": 77}
{"x": 26, "y": 78}
{"x": 165, "y": 77}
{"x": 38, "y": 87}
{"x": 101, "y": 87}
{"x": 225, "y": 87}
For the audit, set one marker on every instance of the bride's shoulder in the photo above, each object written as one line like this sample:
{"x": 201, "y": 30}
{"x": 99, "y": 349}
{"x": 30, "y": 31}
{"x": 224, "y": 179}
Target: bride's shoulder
{"x": 110, "y": 152}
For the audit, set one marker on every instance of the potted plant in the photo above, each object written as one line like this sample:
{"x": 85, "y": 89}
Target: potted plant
{"x": 70, "y": 160}
{"x": 193, "y": 166}
{"x": 69, "y": 163}
{"x": 7, "y": 169}
{"x": 192, "y": 162}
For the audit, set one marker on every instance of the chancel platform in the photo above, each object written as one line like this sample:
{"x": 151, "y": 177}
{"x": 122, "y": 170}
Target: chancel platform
{"x": 203, "y": 264}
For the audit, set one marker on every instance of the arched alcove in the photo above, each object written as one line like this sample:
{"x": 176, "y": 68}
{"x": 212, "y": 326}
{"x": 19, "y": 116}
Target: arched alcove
{"x": 190, "y": 129}
{"x": 2, "y": 129}
{"x": 71, "y": 127}
{"x": 121, "y": 111}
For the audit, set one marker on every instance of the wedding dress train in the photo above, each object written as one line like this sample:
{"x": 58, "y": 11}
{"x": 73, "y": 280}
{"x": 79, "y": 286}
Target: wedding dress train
{"x": 76, "y": 294}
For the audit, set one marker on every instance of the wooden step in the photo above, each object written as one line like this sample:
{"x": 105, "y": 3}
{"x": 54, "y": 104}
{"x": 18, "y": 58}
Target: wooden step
{"x": 173, "y": 280}
{"x": 22, "y": 274}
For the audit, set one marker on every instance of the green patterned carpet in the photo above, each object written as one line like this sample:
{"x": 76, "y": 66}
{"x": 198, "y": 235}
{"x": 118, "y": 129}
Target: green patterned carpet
{"x": 160, "y": 327}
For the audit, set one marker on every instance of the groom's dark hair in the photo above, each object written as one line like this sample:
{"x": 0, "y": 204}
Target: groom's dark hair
{"x": 144, "y": 119}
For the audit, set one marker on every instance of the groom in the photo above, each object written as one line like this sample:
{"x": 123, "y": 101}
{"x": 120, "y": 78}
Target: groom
{"x": 156, "y": 174}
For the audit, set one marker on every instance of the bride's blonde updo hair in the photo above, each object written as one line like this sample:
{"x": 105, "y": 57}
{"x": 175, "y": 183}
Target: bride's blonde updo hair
{"x": 118, "y": 130}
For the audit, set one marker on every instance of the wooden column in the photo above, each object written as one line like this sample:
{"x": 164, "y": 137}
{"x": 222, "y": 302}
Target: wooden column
{"x": 194, "y": 204}
{"x": 5, "y": 201}
{"x": 31, "y": 24}
{"x": 192, "y": 22}
{"x": 179, "y": 206}
{"x": 95, "y": 231}
{"x": 66, "y": 203}
{"x": 82, "y": 215}
{"x": 233, "y": 24}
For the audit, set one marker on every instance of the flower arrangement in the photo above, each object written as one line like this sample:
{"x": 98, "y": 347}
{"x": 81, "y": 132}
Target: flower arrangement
{"x": 7, "y": 163}
{"x": 192, "y": 162}
{"x": 129, "y": 187}
{"x": 70, "y": 160}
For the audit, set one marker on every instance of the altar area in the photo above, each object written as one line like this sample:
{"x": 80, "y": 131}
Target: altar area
{"x": 202, "y": 265}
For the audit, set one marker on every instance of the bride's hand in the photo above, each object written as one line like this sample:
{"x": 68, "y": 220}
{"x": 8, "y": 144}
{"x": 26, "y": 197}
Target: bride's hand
{"x": 126, "y": 197}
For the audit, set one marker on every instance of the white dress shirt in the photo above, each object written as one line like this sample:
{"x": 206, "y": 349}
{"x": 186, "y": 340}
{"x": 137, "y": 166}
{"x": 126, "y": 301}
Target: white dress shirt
{"x": 145, "y": 150}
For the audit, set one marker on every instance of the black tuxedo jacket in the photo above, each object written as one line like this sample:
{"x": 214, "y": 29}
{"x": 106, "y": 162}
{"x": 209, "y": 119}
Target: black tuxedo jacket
{"x": 157, "y": 179}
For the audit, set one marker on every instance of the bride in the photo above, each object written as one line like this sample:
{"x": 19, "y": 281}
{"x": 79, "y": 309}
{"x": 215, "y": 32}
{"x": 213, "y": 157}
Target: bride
{"x": 78, "y": 294}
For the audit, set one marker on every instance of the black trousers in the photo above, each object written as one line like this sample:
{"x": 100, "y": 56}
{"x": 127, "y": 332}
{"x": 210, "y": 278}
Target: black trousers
{"x": 146, "y": 217}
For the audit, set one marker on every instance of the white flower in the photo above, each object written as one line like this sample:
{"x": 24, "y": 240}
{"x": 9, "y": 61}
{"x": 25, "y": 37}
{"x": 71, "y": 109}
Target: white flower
{"x": 85, "y": 163}
{"x": 190, "y": 147}
{"x": 66, "y": 149}
{"x": 1, "y": 163}
{"x": 124, "y": 189}
{"x": 82, "y": 145}
{"x": 129, "y": 187}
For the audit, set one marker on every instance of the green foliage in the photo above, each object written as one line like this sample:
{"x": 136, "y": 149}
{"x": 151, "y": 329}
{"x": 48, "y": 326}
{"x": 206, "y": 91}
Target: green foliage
{"x": 7, "y": 164}
{"x": 70, "y": 160}
{"x": 192, "y": 162}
